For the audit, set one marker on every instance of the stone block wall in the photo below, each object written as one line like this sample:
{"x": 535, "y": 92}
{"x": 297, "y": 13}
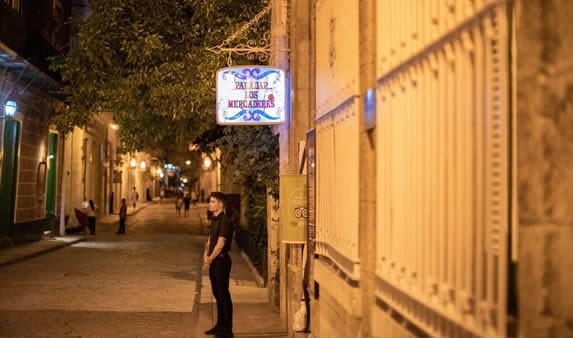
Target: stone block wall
{"x": 34, "y": 109}
{"x": 544, "y": 81}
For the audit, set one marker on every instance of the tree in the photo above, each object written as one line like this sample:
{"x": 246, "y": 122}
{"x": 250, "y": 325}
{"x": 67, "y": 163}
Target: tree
{"x": 146, "y": 61}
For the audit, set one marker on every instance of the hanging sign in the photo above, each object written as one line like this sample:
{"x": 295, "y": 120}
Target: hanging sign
{"x": 248, "y": 95}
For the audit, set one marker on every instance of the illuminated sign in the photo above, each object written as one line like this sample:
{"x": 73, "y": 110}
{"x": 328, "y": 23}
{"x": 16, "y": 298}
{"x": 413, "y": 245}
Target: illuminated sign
{"x": 249, "y": 95}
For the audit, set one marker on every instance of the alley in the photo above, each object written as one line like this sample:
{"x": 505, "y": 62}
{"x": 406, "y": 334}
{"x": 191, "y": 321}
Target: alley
{"x": 144, "y": 283}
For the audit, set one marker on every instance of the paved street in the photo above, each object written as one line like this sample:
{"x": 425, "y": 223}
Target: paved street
{"x": 145, "y": 283}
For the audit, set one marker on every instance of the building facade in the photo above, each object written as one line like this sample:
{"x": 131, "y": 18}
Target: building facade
{"x": 30, "y": 149}
{"x": 94, "y": 169}
{"x": 44, "y": 175}
{"x": 437, "y": 143}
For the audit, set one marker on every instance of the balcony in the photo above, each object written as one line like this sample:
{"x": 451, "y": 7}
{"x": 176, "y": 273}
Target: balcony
{"x": 13, "y": 28}
{"x": 28, "y": 39}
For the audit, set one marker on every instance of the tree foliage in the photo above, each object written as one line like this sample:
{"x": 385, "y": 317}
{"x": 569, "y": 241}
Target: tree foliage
{"x": 252, "y": 154}
{"x": 146, "y": 61}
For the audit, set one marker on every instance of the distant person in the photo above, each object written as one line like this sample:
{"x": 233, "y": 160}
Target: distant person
{"x": 133, "y": 197}
{"x": 187, "y": 204}
{"x": 194, "y": 197}
{"x": 178, "y": 205}
{"x": 122, "y": 216}
{"x": 111, "y": 199}
{"x": 85, "y": 204}
{"x": 216, "y": 258}
{"x": 91, "y": 212}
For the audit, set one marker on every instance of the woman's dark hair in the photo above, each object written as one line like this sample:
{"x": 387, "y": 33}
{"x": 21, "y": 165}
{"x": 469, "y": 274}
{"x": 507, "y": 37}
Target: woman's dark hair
{"x": 92, "y": 205}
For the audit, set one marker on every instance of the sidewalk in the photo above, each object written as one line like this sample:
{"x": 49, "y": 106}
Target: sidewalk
{"x": 253, "y": 316}
{"x": 21, "y": 252}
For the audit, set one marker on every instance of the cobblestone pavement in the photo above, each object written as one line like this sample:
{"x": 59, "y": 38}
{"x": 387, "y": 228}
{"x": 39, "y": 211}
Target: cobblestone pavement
{"x": 144, "y": 283}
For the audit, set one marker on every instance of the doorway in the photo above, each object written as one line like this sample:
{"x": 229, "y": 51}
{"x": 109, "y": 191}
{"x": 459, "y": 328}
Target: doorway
{"x": 9, "y": 176}
{"x": 52, "y": 170}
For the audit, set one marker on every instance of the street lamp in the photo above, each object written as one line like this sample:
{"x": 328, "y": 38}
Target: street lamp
{"x": 10, "y": 108}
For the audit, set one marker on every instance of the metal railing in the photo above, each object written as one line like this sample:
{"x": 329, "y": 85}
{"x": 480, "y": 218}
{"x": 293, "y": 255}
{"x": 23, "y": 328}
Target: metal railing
{"x": 254, "y": 249}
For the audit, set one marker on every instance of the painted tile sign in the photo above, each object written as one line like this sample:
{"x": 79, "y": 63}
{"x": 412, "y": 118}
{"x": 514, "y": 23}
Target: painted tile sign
{"x": 250, "y": 95}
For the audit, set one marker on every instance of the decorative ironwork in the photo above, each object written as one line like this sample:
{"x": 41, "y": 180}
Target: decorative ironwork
{"x": 254, "y": 49}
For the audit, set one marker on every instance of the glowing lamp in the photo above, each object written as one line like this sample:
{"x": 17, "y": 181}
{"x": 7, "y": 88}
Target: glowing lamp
{"x": 10, "y": 108}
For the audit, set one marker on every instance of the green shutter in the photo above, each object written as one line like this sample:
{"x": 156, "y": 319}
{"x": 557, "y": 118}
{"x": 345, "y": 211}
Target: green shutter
{"x": 52, "y": 170}
{"x": 8, "y": 178}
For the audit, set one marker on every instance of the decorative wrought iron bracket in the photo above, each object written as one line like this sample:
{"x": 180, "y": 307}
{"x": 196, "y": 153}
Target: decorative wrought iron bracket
{"x": 254, "y": 49}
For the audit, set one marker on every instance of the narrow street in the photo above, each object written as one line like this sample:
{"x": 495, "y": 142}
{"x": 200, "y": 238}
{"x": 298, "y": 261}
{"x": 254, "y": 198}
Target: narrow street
{"x": 144, "y": 283}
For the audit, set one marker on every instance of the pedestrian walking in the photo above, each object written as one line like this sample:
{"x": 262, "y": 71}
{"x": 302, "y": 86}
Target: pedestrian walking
{"x": 216, "y": 258}
{"x": 91, "y": 212}
{"x": 187, "y": 204}
{"x": 133, "y": 197}
{"x": 122, "y": 216}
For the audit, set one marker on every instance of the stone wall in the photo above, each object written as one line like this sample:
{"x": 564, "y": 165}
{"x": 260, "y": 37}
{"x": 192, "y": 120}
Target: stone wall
{"x": 544, "y": 82}
{"x": 34, "y": 109}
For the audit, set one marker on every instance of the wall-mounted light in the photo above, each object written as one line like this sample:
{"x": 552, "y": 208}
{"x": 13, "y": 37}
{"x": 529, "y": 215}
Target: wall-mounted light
{"x": 159, "y": 171}
{"x": 10, "y": 108}
{"x": 114, "y": 126}
{"x": 142, "y": 165}
{"x": 207, "y": 162}
{"x": 188, "y": 162}
{"x": 133, "y": 163}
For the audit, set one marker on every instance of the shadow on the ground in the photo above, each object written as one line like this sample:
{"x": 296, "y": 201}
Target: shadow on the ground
{"x": 190, "y": 275}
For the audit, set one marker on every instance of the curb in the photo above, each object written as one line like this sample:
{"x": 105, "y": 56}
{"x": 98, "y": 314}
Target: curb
{"x": 258, "y": 278}
{"x": 41, "y": 252}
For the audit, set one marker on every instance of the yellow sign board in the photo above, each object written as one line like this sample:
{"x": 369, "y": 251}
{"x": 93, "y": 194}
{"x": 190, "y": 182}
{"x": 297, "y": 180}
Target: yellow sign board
{"x": 293, "y": 208}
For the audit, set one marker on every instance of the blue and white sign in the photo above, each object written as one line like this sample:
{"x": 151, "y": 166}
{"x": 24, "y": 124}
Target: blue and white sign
{"x": 248, "y": 95}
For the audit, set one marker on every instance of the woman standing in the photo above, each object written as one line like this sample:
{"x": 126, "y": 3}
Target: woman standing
{"x": 91, "y": 212}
